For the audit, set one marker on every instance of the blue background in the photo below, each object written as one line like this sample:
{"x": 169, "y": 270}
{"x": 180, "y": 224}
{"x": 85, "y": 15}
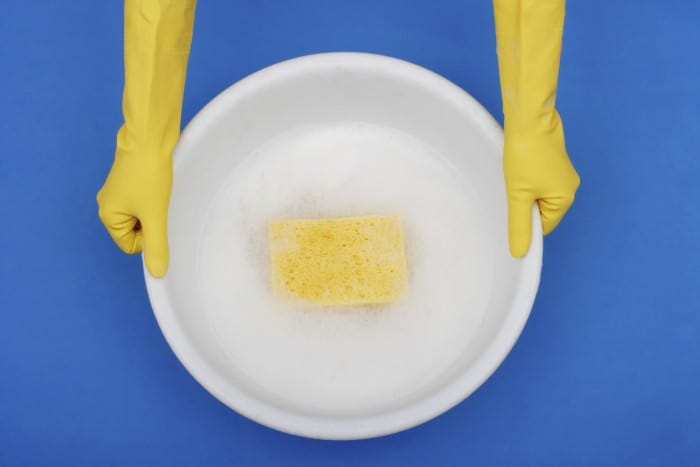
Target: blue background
{"x": 607, "y": 371}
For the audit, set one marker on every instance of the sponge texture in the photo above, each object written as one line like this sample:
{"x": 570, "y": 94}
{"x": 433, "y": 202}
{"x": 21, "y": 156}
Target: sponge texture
{"x": 342, "y": 261}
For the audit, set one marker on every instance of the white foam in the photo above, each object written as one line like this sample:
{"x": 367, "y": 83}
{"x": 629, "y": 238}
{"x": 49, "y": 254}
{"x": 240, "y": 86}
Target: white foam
{"x": 345, "y": 358}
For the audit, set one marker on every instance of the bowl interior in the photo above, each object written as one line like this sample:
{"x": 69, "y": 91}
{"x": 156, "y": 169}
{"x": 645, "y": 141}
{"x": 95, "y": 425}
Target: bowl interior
{"x": 342, "y": 87}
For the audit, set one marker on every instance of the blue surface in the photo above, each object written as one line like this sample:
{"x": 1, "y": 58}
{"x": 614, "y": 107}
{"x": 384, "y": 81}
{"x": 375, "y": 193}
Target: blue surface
{"x": 607, "y": 371}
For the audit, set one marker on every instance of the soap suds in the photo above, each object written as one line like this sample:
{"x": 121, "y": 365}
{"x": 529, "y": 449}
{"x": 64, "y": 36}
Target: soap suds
{"x": 345, "y": 358}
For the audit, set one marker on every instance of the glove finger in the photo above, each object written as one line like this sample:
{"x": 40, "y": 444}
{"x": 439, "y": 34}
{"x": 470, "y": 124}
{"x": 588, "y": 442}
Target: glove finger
{"x": 552, "y": 210}
{"x": 155, "y": 245}
{"x": 124, "y": 230}
{"x": 519, "y": 225}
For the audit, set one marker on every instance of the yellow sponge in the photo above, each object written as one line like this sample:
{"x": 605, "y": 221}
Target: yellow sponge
{"x": 348, "y": 260}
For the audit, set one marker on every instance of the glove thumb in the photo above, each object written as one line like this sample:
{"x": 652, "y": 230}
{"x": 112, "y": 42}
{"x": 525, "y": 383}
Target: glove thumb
{"x": 519, "y": 225}
{"x": 155, "y": 245}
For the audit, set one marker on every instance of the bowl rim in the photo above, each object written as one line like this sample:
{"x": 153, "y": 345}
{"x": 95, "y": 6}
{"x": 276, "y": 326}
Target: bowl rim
{"x": 368, "y": 426}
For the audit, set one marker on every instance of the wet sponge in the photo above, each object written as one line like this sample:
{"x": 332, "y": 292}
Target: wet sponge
{"x": 351, "y": 260}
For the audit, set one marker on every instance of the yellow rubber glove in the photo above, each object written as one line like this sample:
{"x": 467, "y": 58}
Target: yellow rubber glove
{"x": 536, "y": 165}
{"x": 133, "y": 203}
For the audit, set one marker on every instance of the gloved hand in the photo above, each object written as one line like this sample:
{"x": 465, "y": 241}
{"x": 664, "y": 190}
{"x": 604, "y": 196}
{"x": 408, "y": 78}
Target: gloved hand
{"x": 133, "y": 203}
{"x": 536, "y": 165}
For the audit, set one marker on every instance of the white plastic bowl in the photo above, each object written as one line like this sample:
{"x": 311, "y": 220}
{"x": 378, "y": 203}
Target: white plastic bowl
{"x": 324, "y": 88}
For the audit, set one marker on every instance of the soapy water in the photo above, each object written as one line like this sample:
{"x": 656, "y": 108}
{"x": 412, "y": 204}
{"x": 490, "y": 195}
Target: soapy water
{"x": 345, "y": 358}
